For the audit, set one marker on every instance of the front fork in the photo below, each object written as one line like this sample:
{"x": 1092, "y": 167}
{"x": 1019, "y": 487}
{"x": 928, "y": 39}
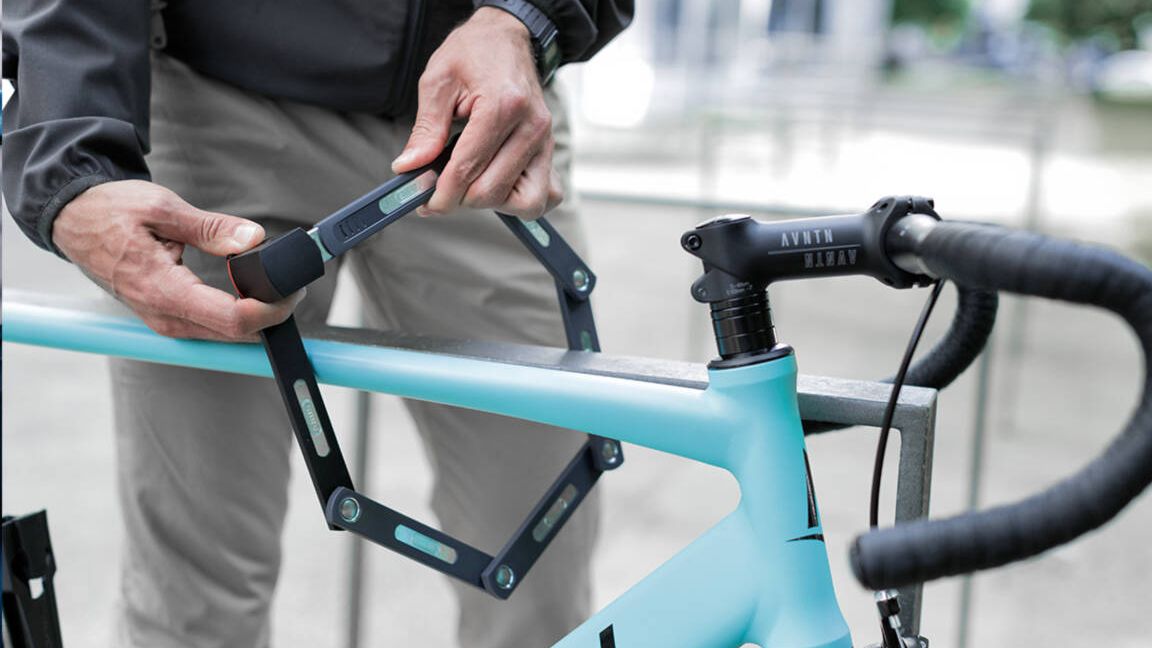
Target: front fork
{"x": 892, "y": 634}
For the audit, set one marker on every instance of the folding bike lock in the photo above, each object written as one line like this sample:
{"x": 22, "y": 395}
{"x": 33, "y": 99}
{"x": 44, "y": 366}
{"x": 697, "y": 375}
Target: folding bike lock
{"x": 281, "y": 266}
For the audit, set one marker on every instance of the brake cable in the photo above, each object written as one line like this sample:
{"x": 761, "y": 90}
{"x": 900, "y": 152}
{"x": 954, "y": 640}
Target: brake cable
{"x": 890, "y": 410}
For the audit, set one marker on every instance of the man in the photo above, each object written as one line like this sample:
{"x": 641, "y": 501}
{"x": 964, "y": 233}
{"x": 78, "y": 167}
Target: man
{"x": 257, "y": 117}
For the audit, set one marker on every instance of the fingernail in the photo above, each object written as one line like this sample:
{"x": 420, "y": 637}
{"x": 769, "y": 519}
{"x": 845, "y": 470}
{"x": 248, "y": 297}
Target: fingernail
{"x": 245, "y": 235}
{"x": 404, "y": 158}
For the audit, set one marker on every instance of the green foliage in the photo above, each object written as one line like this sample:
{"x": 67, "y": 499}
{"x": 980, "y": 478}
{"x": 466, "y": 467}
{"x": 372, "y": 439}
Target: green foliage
{"x": 929, "y": 12}
{"x": 1109, "y": 22}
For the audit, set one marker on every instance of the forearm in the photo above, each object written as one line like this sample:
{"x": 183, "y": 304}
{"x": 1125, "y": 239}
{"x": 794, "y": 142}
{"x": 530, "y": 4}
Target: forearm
{"x": 79, "y": 115}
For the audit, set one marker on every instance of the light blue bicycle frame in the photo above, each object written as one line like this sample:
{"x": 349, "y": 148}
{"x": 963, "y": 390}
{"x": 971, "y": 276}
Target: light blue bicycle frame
{"x": 760, "y": 575}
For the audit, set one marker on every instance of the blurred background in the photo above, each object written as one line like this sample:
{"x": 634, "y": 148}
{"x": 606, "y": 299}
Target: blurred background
{"x": 1033, "y": 113}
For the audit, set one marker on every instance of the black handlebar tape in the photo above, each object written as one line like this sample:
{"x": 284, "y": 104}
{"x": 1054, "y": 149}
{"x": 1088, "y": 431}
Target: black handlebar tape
{"x": 992, "y": 258}
{"x": 966, "y": 337}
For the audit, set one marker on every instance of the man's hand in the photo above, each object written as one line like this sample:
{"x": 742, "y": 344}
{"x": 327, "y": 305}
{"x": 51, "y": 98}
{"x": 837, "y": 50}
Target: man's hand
{"x": 129, "y": 236}
{"x": 485, "y": 72}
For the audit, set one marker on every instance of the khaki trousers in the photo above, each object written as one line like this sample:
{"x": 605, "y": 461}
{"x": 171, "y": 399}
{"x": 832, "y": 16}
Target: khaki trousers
{"x": 204, "y": 457}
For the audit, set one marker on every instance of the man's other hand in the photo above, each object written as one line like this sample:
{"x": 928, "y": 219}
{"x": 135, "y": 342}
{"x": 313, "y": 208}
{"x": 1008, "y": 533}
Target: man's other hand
{"x": 129, "y": 236}
{"x": 485, "y": 72}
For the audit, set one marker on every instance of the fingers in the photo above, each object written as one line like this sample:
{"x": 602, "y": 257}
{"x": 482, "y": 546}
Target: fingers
{"x": 174, "y": 327}
{"x": 184, "y": 306}
{"x": 493, "y": 186}
{"x": 218, "y": 234}
{"x": 128, "y": 237}
{"x": 484, "y": 72}
{"x": 177, "y": 327}
{"x": 436, "y": 107}
{"x": 487, "y": 131}
{"x": 536, "y": 191}
{"x": 173, "y": 301}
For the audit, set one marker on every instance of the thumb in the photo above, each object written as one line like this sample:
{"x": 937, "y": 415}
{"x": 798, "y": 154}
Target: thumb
{"x": 430, "y": 130}
{"x": 218, "y": 234}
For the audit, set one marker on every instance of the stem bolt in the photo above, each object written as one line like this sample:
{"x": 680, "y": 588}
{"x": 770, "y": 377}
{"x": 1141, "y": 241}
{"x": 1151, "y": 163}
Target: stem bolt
{"x": 505, "y": 577}
{"x": 349, "y": 509}
{"x": 692, "y": 242}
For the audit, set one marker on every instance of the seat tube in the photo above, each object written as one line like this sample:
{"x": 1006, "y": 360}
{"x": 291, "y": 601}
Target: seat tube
{"x": 797, "y": 606}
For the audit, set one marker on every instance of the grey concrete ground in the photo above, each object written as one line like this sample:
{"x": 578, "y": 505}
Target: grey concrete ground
{"x": 1054, "y": 403}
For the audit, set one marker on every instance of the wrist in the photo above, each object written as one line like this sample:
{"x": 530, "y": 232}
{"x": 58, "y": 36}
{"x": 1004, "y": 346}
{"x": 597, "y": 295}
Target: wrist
{"x": 58, "y": 205}
{"x": 499, "y": 19}
{"x": 542, "y": 32}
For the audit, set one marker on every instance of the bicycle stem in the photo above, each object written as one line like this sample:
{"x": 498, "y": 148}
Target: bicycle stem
{"x": 743, "y": 256}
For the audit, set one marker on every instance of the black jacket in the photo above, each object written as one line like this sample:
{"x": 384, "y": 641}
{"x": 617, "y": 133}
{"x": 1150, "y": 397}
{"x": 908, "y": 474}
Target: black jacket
{"x": 79, "y": 116}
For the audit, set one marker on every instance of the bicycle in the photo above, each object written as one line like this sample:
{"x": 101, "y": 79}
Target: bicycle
{"x": 761, "y": 574}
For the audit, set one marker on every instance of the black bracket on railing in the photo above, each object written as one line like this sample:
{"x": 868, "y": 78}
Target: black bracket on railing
{"x": 30, "y": 613}
{"x": 273, "y": 270}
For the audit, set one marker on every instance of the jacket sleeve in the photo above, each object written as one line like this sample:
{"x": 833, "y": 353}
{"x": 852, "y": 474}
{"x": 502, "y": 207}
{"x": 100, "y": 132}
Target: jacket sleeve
{"x": 79, "y": 114}
{"x": 586, "y": 26}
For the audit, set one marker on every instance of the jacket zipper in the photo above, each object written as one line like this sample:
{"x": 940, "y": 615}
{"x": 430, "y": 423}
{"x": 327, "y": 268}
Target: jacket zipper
{"x": 400, "y": 92}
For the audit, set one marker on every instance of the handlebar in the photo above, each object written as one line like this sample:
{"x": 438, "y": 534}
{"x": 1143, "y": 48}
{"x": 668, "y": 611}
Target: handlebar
{"x": 902, "y": 242}
{"x": 996, "y": 259}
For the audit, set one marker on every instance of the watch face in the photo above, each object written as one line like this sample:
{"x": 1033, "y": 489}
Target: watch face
{"x": 547, "y": 56}
{"x": 550, "y": 54}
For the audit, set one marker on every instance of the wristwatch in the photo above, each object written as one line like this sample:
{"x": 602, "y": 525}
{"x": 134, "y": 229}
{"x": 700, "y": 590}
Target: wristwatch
{"x": 545, "y": 36}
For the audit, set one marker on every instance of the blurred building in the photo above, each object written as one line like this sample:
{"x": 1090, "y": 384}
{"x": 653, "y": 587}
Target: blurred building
{"x": 725, "y": 33}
